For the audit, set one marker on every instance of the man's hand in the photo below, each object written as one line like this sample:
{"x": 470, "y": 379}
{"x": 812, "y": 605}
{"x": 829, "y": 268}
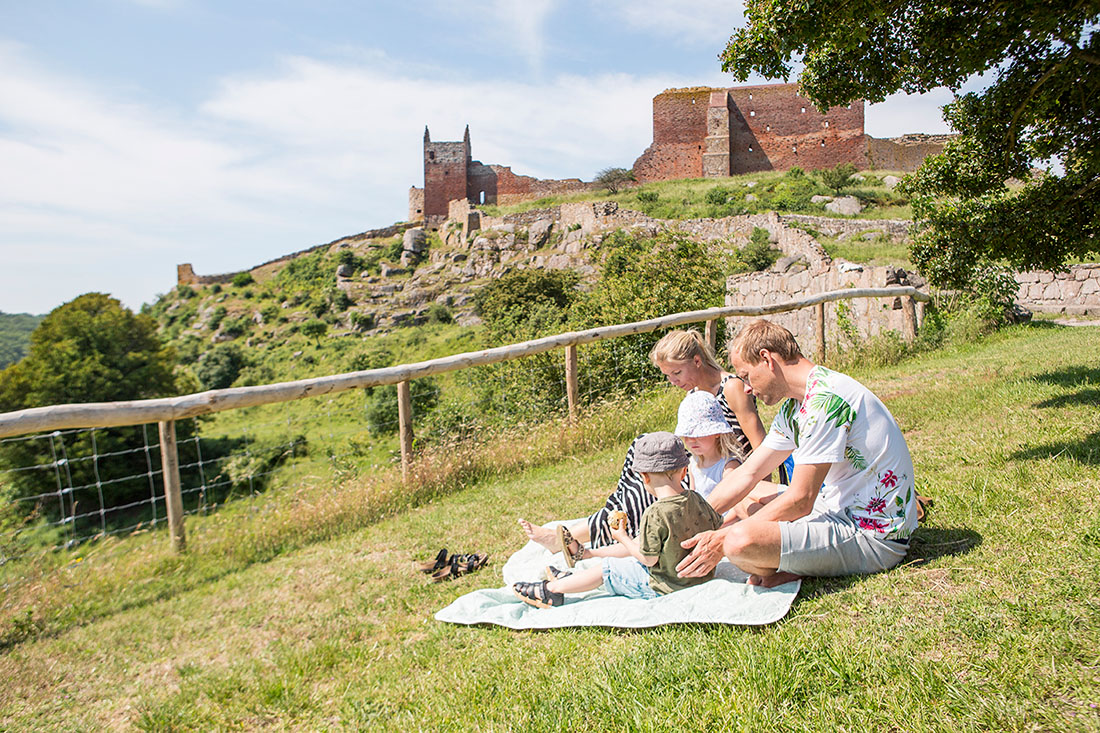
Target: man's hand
{"x": 706, "y": 553}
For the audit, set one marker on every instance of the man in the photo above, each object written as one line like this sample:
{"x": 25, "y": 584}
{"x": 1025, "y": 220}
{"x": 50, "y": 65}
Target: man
{"x": 851, "y": 505}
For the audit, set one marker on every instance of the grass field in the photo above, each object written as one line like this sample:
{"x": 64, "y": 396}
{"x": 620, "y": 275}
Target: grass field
{"x": 304, "y": 613}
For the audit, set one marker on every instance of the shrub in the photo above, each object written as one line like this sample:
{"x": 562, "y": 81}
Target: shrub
{"x": 219, "y": 367}
{"x": 185, "y": 291}
{"x": 718, "y": 195}
{"x": 439, "y": 313}
{"x": 236, "y": 326}
{"x": 381, "y": 411}
{"x": 270, "y": 313}
{"x": 614, "y": 179}
{"x": 216, "y": 317}
{"x": 839, "y": 178}
{"x": 518, "y": 292}
{"x": 758, "y": 254}
{"x": 242, "y": 279}
{"x": 314, "y": 329}
{"x": 361, "y": 321}
{"x": 648, "y": 197}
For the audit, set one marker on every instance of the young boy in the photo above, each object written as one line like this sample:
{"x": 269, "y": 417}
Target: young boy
{"x": 650, "y": 570}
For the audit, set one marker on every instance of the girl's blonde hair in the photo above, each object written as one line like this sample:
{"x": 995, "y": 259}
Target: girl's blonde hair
{"x": 680, "y": 345}
{"x": 728, "y": 447}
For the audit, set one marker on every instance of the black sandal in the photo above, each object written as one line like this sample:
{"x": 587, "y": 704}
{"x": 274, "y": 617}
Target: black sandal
{"x": 449, "y": 572}
{"x": 538, "y": 595}
{"x": 438, "y": 563}
{"x": 552, "y": 573}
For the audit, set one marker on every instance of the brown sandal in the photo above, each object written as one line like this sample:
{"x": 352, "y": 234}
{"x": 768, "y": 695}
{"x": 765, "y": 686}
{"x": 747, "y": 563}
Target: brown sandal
{"x": 565, "y": 539}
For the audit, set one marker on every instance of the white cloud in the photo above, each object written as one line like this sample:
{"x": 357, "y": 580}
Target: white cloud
{"x": 687, "y": 21}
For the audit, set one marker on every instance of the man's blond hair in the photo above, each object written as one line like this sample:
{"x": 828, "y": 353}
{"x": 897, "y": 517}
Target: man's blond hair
{"x": 762, "y": 334}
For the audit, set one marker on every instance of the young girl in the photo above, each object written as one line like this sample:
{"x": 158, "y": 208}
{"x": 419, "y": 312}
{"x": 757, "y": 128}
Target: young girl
{"x": 715, "y": 452}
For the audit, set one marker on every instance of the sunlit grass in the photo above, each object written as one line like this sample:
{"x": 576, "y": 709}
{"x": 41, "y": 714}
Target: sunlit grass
{"x": 301, "y": 609}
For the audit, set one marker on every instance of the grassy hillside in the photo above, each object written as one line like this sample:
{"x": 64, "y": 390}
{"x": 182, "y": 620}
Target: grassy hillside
{"x": 750, "y": 193}
{"x": 15, "y": 336}
{"x": 272, "y": 620}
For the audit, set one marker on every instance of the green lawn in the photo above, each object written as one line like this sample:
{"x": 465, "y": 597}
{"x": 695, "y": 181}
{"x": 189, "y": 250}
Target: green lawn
{"x": 993, "y": 623}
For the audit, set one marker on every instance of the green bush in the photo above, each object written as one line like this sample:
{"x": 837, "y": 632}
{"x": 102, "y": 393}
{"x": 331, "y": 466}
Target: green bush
{"x": 361, "y": 321}
{"x": 238, "y": 326}
{"x": 270, "y": 313}
{"x": 381, "y": 411}
{"x": 439, "y": 313}
{"x": 185, "y": 291}
{"x": 242, "y": 279}
{"x": 219, "y": 367}
{"x": 758, "y": 254}
{"x": 718, "y": 196}
{"x": 648, "y": 197}
{"x": 517, "y": 292}
{"x": 839, "y": 178}
{"x": 314, "y": 329}
{"x": 216, "y": 317}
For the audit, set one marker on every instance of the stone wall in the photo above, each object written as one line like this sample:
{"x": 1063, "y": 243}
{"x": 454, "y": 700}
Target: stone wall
{"x": 844, "y": 228}
{"x": 1074, "y": 292}
{"x": 416, "y": 204}
{"x": 870, "y": 316}
{"x": 905, "y": 153}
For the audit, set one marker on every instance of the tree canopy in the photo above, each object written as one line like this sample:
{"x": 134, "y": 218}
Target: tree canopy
{"x": 1043, "y": 57}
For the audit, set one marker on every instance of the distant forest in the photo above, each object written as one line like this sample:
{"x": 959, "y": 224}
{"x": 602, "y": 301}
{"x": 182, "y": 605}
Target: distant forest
{"x": 15, "y": 336}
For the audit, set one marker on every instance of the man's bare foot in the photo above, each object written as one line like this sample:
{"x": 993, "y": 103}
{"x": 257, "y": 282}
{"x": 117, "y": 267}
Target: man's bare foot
{"x": 770, "y": 581}
{"x": 548, "y": 538}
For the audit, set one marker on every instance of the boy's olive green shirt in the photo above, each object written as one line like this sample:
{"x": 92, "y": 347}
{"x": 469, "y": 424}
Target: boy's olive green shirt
{"x": 665, "y": 524}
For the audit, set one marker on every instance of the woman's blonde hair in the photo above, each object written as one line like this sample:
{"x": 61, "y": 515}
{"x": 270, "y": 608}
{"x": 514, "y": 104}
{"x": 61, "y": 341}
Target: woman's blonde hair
{"x": 680, "y": 345}
{"x": 728, "y": 447}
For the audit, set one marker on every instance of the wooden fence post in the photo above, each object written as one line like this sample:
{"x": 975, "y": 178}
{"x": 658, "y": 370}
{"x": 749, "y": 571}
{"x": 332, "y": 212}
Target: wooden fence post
{"x": 405, "y": 426}
{"x": 571, "y": 391}
{"x": 819, "y": 311}
{"x": 170, "y": 470}
{"x": 712, "y": 335}
{"x": 909, "y": 308}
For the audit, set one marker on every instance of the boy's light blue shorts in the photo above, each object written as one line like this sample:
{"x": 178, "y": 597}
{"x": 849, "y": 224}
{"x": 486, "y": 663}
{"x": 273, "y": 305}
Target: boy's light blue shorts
{"x": 625, "y": 576}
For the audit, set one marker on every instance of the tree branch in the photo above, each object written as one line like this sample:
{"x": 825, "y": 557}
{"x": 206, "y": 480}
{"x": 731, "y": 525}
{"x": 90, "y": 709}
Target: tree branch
{"x": 1010, "y": 134}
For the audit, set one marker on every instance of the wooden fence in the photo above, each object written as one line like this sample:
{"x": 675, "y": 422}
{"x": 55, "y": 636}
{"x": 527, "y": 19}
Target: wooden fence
{"x": 166, "y": 411}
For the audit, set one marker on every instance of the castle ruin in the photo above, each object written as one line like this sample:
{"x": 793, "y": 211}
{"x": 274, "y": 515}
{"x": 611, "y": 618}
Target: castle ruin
{"x": 698, "y": 132}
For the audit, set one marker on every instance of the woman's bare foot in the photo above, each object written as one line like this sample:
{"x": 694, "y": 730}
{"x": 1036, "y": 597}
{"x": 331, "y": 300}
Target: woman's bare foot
{"x": 548, "y": 538}
{"x": 770, "y": 581}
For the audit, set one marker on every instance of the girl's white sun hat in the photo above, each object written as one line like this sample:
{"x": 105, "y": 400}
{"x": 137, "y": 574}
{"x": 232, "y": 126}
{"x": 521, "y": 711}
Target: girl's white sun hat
{"x": 701, "y": 415}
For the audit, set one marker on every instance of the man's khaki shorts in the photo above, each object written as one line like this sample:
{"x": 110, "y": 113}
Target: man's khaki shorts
{"x": 832, "y": 544}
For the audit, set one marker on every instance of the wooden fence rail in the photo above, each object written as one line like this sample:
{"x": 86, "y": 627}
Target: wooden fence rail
{"x": 169, "y": 409}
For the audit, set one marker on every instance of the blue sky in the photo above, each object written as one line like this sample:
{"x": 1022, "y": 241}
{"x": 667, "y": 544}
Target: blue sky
{"x": 139, "y": 134}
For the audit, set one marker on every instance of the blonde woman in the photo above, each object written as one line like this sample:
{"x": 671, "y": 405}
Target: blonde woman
{"x": 686, "y": 360}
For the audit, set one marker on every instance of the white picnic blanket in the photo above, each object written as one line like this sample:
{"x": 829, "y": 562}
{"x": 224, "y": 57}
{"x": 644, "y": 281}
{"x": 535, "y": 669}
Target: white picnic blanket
{"x": 724, "y": 600}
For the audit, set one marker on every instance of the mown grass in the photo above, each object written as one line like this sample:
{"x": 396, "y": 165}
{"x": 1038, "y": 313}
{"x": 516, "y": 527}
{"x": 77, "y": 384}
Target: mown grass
{"x": 302, "y": 614}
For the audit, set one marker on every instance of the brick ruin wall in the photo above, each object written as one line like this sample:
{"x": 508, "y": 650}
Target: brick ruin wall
{"x": 511, "y": 188}
{"x": 766, "y": 127}
{"x": 445, "y": 167}
{"x": 1075, "y": 292}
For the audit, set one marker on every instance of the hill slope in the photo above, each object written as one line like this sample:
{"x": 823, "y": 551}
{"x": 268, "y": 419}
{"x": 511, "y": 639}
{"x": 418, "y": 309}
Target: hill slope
{"x": 992, "y": 624}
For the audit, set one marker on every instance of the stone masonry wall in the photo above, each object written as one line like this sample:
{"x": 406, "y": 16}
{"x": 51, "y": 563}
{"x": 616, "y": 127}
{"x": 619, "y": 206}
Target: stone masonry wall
{"x": 1075, "y": 292}
{"x": 844, "y": 228}
{"x": 905, "y": 153}
{"x": 870, "y": 316}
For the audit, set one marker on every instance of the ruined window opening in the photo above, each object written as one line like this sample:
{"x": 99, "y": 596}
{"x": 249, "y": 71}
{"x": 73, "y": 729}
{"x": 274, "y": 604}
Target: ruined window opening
{"x": 483, "y": 193}
{"x": 826, "y": 123}
{"x": 822, "y": 143}
{"x": 431, "y": 155}
{"x": 803, "y": 110}
{"x": 752, "y": 113}
{"x": 768, "y": 128}
{"x": 750, "y": 148}
{"x": 794, "y": 148}
{"x": 750, "y": 96}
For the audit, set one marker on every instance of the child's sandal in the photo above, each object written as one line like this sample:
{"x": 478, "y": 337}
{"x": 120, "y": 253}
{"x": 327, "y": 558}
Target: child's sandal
{"x": 565, "y": 540}
{"x": 538, "y": 595}
{"x": 552, "y": 573}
